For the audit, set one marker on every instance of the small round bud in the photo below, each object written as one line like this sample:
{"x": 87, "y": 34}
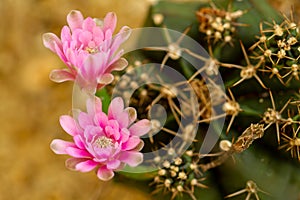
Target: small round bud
{"x": 225, "y": 145}
{"x": 130, "y": 69}
{"x": 208, "y": 32}
{"x": 182, "y": 175}
{"x": 157, "y": 159}
{"x": 218, "y": 35}
{"x": 193, "y": 166}
{"x": 177, "y": 161}
{"x": 161, "y": 172}
{"x": 268, "y": 53}
{"x": 134, "y": 85}
{"x": 263, "y": 38}
{"x": 189, "y": 132}
{"x": 228, "y": 17}
{"x": 144, "y": 76}
{"x": 137, "y": 63}
{"x": 275, "y": 70}
{"x": 126, "y": 95}
{"x": 237, "y": 14}
{"x": 174, "y": 51}
{"x": 144, "y": 93}
{"x": 171, "y": 151}
{"x": 189, "y": 153}
{"x": 292, "y": 25}
{"x": 173, "y": 173}
{"x": 294, "y": 67}
{"x": 219, "y": 20}
{"x": 179, "y": 188}
{"x": 155, "y": 125}
{"x": 281, "y": 53}
{"x": 227, "y": 38}
{"x": 194, "y": 182}
{"x": 156, "y": 179}
{"x": 167, "y": 183}
{"x": 292, "y": 41}
{"x": 166, "y": 164}
{"x": 278, "y": 30}
{"x": 175, "y": 168}
{"x": 226, "y": 25}
{"x": 123, "y": 84}
{"x": 158, "y": 19}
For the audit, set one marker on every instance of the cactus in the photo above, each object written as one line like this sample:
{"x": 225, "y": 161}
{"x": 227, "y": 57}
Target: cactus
{"x": 257, "y": 53}
{"x": 223, "y": 118}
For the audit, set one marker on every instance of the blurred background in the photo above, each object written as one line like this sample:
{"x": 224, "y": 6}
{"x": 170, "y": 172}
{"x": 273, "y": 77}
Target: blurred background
{"x": 30, "y": 104}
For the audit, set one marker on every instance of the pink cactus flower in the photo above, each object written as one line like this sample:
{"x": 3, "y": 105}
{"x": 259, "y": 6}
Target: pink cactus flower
{"x": 105, "y": 142}
{"x": 89, "y": 50}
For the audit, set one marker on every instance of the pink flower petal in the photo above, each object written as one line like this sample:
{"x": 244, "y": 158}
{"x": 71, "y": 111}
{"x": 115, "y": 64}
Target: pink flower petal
{"x": 85, "y": 120}
{"x": 89, "y": 88}
{"x": 123, "y": 119}
{"x": 66, "y": 36}
{"x": 72, "y": 162}
{"x": 92, "y": 71}
{"x": 75, "y": 19}
{"x": 113, "y": 164}
{"x": 116, "y": 56}
{"x": 77, "y": 153}
{"x": 101, "y": 62}
{"x": 119, "y": 38}
{"x": 110, "y": 132}
{"x": 105, "y": 174}
{"x": 78, "y": 141}
{"x": 110, "y": 21}
{"x": 61, "y": 75}
{"x": 122, "y": 165}
{"x": 89, "y": 68}
{"x": 132, "y": 158}
{"x": 101, "y": 119}
{"x": 94, "y": 105}
{"x": 105, "y": 79}
{"x": 116, "y": 107}
{"x": 93, "y": 66}
{"x": 103, "y": 154}
{"x": 140, "y": 128}
{"x": 131, "y": 143}
{"x": 85, "y": 38}
{"x": 88, "y": 24}
{"x": 98, "y": 35}
{"x": 140, "y": 146}
{"x": 124, "y": 134}
{"x": 132, "y": 114}
{"x": 61, "y": 55}
{"x": 86, "y": 166}
{"x": 91, "y": 132}
{"x": 107, "y": 35}
{"x": 116, "y": 150}
{"x": 59, "y": 146}
{"x": 119, "y": 65}
{"x": 71, "y": 58}
{"x": 69, "y": 125}
{"x": 50, "y": 40}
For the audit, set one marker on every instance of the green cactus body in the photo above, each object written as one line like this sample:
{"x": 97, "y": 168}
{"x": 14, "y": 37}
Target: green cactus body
{"x": 261, "y": 103}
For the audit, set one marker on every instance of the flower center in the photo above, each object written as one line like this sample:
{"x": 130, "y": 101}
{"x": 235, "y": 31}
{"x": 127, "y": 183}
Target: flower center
{"x": 103, "y": 142}
{"x": 91, "y": 50}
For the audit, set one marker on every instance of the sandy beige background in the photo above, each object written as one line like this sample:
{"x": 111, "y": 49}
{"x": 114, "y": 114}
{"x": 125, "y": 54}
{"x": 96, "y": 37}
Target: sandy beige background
{"x": 30, "y": 104}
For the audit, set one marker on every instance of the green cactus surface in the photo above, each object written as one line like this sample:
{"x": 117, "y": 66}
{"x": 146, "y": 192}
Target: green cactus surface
{"x": 256, "y": 50}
